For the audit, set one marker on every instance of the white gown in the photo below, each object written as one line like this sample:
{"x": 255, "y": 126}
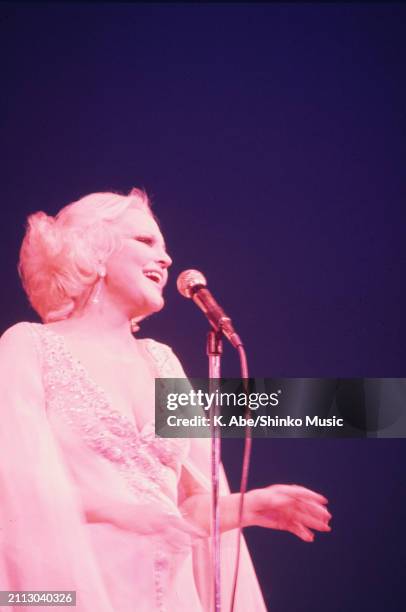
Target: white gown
{"x": 90, "y": 504}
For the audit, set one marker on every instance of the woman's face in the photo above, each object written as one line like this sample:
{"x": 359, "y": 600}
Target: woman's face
{"x": 137, "y": 272}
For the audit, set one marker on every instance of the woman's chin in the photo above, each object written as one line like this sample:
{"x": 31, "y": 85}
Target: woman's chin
{"x": 149, "y": 308}
{"x": 159, "y": 305}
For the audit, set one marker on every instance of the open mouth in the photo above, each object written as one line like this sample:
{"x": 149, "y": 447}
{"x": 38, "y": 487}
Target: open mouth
{"x": 154, "y": 276}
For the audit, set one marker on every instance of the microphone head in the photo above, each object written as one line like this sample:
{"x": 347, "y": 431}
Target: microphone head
{"x": 188, "y": 281}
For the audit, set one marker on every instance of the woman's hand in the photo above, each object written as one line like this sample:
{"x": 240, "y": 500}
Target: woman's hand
{"x": 289, "y": 508}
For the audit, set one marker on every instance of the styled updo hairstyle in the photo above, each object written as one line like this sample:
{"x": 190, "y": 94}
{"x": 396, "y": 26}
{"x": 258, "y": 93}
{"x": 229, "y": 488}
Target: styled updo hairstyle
{"x": 60, "y": 256}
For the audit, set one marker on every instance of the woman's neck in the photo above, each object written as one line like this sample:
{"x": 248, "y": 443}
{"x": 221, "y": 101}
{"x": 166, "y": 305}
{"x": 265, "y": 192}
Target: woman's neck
{"x": 98, "y": 328}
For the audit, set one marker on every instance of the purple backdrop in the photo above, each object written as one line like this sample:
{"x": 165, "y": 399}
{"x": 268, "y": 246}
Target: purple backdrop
{"x": 271, "y": 138}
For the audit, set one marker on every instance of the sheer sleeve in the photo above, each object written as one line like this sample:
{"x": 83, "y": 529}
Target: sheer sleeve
{"x": 43, "y": 543}
{"x": 195, "y": 479}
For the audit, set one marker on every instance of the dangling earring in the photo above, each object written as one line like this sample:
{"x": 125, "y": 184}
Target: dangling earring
{"x": 98, "y": 287}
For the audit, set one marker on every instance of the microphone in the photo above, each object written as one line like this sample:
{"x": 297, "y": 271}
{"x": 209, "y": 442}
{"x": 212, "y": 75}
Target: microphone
{"x": 192, "y": 284}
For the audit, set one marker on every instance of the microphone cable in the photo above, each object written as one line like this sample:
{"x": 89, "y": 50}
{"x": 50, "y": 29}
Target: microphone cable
{"x": 244, "y": 472}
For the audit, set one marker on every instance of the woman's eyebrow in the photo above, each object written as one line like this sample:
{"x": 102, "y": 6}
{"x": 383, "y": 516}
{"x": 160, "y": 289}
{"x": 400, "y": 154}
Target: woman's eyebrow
{"x": 157, "y": 238}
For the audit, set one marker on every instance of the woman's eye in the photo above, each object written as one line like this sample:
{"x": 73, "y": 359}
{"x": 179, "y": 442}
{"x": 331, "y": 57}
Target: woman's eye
{"x": 145, "y": 239}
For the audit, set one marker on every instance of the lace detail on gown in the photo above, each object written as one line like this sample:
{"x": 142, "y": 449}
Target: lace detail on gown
{"x": 141, "y": 457}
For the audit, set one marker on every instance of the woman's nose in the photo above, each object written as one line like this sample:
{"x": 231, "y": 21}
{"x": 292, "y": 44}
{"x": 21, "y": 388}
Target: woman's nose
{"x": 165, "y": 260}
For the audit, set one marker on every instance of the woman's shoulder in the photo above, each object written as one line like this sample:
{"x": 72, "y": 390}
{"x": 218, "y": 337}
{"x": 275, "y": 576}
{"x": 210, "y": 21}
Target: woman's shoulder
{"x": 155, "y": 346}
{"x": 167, "y": 362}
{"x": 21, "y": 338}
{"x": 18, "y": 343}
{"x": 19, "y": 332}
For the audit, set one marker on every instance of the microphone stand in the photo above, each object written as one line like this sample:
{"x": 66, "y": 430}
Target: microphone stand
{"x": 214, "y": 352}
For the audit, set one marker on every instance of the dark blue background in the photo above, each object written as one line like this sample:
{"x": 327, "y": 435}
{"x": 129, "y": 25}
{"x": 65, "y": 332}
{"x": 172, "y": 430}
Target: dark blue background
{"x": 271, "y": 138}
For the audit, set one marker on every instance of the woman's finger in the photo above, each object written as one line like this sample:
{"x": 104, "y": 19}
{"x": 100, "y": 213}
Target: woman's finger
{"x": 312, "y": 521}
{"x": 313, "y": 509}
{"x": 303, "y": 493}
{"x": 302, "y": 532}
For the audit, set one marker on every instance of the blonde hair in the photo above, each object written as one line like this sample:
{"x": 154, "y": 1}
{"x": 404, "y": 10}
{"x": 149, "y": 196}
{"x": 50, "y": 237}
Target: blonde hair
{"x": 60, "y": 256}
